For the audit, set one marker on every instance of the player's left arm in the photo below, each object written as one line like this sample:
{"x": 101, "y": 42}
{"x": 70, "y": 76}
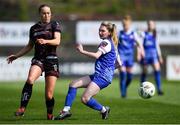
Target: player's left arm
{"x": 159, "y": 52}
{"x": 54, "y": 42}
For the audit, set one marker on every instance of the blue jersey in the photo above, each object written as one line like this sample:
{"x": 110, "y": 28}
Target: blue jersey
{"x": 150, "y": 48}
{"x": 127, "y": 41}
{"x": 149, "y": 45}
{"x": 107, "y": 60}
{"x": 105, "y": 64}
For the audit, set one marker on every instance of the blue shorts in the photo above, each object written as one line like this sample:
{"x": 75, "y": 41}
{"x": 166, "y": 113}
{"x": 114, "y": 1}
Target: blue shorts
{"x": 99, "y": 80}
{"x": 127, "y": 61}
{"x": 149, "y": 60}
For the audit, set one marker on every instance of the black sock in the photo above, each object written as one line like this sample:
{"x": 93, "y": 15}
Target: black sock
{"x": 50, "y": 105}
{"x": 26, "y": 94}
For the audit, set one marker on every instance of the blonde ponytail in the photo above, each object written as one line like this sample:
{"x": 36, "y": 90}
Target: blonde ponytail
{"x": 114, "y": 35}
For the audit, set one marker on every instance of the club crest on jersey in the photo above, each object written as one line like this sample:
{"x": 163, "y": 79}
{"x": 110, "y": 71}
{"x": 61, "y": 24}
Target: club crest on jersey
{"x": 104, "y": 44}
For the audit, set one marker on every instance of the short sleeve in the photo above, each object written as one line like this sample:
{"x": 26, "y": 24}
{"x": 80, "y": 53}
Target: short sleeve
{"x": 105, "y": 46}
{"x": 56, "y": 26}
{"x": 31, "y": 34}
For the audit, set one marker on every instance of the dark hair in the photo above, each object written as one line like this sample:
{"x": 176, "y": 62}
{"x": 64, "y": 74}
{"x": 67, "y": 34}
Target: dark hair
{"x": 154, "y": 30}
{"x": 154, "y": 33}
{"x": 127, "y": 17}
{"x": 41, "y": 6}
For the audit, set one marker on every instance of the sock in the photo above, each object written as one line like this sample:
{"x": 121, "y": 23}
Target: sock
{"x": 92, "y": 103}
{"x": 123, "y": 83}
{"x": 26, "y": 94}
{"x": 143, "y": 77}
{"x": 50, "y": 105}
{"x": 129, "y": 79}
{"x": 103, "y": 109}
{"x": 71, "y": 95}
{"x": 66, "y": 108}
{"x": 158, "y": 80}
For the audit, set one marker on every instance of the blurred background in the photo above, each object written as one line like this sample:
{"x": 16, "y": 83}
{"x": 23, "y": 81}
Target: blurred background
{"x": 80, "y": 21}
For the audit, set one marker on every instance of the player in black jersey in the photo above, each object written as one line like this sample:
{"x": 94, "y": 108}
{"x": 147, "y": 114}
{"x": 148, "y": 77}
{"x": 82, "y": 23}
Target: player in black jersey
{"x": 44, "y": 37}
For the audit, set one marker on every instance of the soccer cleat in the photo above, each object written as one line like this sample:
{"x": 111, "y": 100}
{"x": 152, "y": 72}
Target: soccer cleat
{"x": 20, "y": 112}
{"x": 50, "y": 117}
{"x": 106, "y": 113}
{"x": 160, "y": 93}
{"x": 63, "y": 115}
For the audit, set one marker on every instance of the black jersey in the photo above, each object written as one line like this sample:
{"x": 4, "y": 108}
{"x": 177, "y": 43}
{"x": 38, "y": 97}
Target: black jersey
{"x": 44, "y": 31}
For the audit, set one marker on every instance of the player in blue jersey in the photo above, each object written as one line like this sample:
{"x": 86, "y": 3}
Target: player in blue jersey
{"x": 152, "y": 55}
{"x": 128, "y": 39}
{"x": 102, "y": 77}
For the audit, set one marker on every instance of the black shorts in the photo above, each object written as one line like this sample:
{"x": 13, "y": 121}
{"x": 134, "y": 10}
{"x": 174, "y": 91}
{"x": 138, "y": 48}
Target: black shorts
{"x": 48, "y": 65}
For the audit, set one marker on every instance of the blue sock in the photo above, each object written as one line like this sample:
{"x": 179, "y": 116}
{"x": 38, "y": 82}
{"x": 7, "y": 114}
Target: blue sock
{"x": 158, "y": 80}
{"x": 129, "y": 79}
{"x": 92, "y": 103}
{"x": 123, "y": 83}
{"x": 143, "y": 77}
{"x": 71, "y": 95}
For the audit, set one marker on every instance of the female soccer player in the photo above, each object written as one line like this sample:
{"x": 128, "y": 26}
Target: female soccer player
{"x": 127, "y": 41}
{"x": 44, "y": 37}
{"x": 104, "y": 70}
{"x": 152, "y": 55}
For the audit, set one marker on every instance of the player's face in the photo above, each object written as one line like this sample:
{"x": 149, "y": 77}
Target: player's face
{"x": 151, "y": 25}
{"x": 126, "y": 24}
{"x": 103, "y": 32}
{"x": 45, "y": 14}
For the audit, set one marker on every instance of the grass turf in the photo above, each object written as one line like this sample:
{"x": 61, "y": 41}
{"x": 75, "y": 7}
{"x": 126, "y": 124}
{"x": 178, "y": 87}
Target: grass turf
{"x": 133, "y": 109}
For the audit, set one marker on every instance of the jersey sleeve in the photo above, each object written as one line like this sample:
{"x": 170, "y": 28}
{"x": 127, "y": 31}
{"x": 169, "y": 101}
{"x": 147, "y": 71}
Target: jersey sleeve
{"x": 56, "y": 27}
{"x": 31, "y": 38}
{"x": 105, "y": 46}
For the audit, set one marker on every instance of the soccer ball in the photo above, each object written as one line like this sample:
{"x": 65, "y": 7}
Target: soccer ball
{"x": 146, "y": 90}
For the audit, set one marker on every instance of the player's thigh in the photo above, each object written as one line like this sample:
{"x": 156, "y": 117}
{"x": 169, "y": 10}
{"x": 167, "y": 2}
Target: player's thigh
{"x": 91, "y": 90}
{"x": 156, "y": 66}
{"x": 82, "y": 82}
{"x": 34, "y": 73}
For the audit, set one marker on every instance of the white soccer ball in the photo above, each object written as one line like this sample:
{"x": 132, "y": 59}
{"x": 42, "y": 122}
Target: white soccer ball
{"x": 147, "y": 90}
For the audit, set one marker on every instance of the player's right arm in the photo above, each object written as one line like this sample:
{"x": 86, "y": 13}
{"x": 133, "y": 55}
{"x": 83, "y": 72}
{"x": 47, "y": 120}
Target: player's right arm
{"x": 139, "y": 44}
{"x": 22, "y": 52}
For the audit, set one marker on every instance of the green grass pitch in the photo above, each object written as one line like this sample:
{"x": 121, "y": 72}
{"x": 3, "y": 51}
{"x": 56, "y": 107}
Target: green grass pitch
{"x": 132, "y": 110}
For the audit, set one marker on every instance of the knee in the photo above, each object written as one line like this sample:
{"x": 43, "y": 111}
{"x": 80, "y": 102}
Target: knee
{"x": 30, "y": 80}
{"x": 49, "y": 95}
{"x": 84, "y": 99}
{"x": 72, "y": 84}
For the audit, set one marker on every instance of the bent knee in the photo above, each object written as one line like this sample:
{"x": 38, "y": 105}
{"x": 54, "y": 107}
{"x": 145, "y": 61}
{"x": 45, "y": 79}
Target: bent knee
{"x": 30, "y": 80}
{"x": 84, "y": 99}
{"x": 73, "y": 84}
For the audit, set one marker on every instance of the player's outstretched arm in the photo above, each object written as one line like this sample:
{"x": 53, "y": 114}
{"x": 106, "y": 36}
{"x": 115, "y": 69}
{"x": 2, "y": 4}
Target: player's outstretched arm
{"x": 95, "y": 55}
{"x": 22, "y": 52}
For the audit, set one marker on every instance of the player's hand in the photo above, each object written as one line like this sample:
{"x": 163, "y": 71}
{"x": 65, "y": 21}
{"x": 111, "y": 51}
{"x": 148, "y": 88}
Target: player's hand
{"x": 79, "y": 47}
{"x": 161, "y": 60}
{"x": 139, "y": 57}
{"x": 11, "y": 58}
{"x": 41, "y": 41}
